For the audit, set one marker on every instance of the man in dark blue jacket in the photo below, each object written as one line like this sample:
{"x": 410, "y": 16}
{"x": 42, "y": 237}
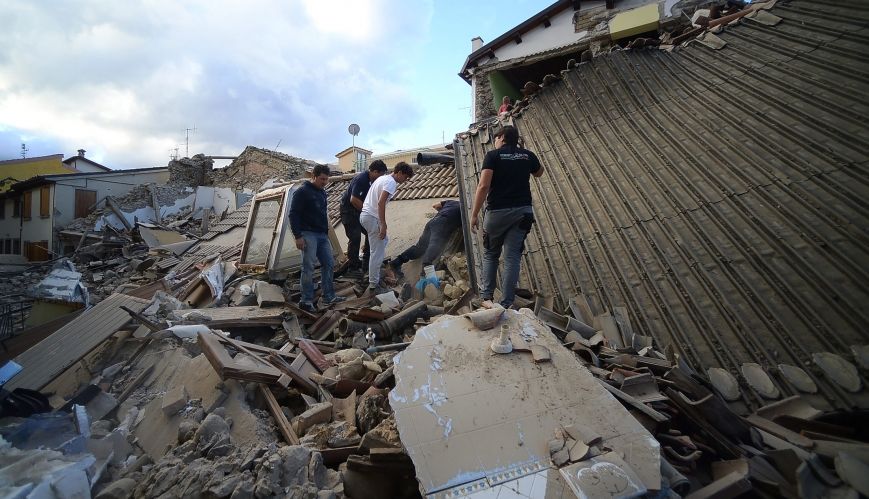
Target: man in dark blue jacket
{"x": 351, "y": 207}
{"x": 310, "y": 225}
{"x": 434, "y": 236}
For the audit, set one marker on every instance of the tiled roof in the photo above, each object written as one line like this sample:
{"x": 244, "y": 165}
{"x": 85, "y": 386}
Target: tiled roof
{"x": 237, "y": 218}
{"x": 428, "y": 182}
{"x": 719, "y": 196}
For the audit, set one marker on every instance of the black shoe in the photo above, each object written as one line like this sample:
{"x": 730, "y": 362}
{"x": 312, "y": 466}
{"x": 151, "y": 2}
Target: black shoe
{"x": 396, "y": 269}
{"x": 307, "y": 307}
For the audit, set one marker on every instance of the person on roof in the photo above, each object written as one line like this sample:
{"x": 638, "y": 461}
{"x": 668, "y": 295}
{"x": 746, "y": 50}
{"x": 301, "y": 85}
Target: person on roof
{"x": 434, "y": 236}
{"x": 505, "y": 187}
{"x": 309, "y": 223}
{"x": 351, "y": 208}
{"x": 506, "y": 106}
{"x": 373, "y": 219}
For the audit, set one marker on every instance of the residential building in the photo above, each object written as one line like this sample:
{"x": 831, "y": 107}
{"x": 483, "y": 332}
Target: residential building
{"x": 544, "y": 44}
{"x": 85, "y": 165}
{"x": 409, "y": 156}
{"x": 353, "y": 159}
{"x": 34, "y": 208}
{"x": 16, "y": 170}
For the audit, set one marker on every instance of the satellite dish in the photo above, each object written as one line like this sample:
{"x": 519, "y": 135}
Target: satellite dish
{"x": 353, "y": 129}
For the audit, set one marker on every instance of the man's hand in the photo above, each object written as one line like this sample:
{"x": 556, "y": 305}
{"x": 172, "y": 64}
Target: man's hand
{"x": 382, "y": 231}
{"x": 474, "y": 223}
{"x": 300, "y": 243}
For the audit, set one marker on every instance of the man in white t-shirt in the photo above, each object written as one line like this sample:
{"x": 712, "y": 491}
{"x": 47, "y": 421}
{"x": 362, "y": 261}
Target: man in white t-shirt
{"x": 373, "y": 218}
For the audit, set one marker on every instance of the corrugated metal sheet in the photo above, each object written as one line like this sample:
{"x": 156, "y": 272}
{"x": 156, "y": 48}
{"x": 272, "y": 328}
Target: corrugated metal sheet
{"x": 720, "y": 196}
{"x": 53, "y": 355}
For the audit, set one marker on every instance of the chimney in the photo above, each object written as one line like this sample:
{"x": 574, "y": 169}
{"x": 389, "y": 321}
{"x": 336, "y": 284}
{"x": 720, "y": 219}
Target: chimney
{"x": 476, "y": 43}
{"x": 81, "y": 153}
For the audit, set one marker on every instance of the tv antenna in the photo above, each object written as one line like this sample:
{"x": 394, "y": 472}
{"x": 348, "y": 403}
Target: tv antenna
{"x": 278, "y": 145}
{"x": 187, "y": 140}
{"x": 173, "y": 154}
{"x": 354, "y": 131}
{"x": 24, "y": 150}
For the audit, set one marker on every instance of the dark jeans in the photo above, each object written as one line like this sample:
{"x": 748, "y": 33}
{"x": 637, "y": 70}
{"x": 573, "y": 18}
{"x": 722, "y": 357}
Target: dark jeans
{"x": 504, "y": 229}
{"x": 354, "y": 231}
{"x": 317, "y": 248}
{"x": 430, "y": 244}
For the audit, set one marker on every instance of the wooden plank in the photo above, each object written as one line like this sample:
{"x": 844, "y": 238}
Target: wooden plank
{"x": 56, "y": 353}
{"x": 780, "y": 431}
{"x": 155, "y": 203}
{"x": 112, "y": 204}
{"x": 237, "y": 314}
{"x": 229, "y": 368}
{"x": 21, "y": 342}
{"x": 283, "y": 425}
{"x": 299, "y": 378}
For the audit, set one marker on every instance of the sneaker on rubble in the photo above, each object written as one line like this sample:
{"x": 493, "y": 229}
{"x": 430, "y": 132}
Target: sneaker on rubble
{"x": 307, "y": 307}
{"x": 376, "y": 290}
{"x": 335, "y": 299}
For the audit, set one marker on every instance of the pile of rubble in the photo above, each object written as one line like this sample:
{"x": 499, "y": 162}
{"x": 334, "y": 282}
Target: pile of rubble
{"x": 191, "y": 373}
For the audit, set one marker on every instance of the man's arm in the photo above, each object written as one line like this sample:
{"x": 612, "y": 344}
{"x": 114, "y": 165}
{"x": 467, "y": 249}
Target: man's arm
{"x": 381, "y": 212}
{"x": 296, "y": 220}
{"x": 356, "y": 202}
{"x": 480, "y": 196}
{"x": 539, "y": 172}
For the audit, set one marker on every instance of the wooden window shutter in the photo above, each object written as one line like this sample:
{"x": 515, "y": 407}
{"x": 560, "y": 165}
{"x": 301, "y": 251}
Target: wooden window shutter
{"x": 45, "y": 201}
{"x": 28, "y": 202}
{"x": 84, "y": 200}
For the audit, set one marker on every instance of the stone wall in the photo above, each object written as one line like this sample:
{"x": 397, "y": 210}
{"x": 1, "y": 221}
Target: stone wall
{"x": 190, "y": 171}
{"x": 483, "y": 100}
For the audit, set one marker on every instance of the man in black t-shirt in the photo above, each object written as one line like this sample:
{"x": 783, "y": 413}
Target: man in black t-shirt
{"x": 351, "y": 207}
{"x": 505, "y": 186}
{"x": 434, "y": 236}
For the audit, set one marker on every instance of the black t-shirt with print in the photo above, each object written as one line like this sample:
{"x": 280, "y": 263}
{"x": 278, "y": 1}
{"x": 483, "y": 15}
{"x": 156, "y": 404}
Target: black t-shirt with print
{"x": 511, "y": 173}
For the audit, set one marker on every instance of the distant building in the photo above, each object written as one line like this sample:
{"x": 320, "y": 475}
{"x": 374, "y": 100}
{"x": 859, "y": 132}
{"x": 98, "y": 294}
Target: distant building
{"x": 16, "y": 170}
{"x": 353, "y": 159}
{"x": 409, "y": 156}
{"x": 85, "y": 165}
{"x": 31, "y": 210}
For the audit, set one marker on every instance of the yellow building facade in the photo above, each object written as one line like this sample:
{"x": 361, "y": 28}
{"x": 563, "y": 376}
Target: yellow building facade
{"x": 16, "y": 170}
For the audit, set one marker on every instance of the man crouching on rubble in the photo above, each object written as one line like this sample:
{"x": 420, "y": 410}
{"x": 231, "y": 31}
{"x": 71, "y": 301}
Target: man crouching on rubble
{"x": 505, "y": 186}
{"x": 310, "y": 225}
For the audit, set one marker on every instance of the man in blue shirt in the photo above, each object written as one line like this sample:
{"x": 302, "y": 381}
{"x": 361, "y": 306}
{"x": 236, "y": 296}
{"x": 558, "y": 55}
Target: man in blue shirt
{"x": 309, "y": 222}
{"x": 434, "y": 236}
{"x": 351, "y": 207}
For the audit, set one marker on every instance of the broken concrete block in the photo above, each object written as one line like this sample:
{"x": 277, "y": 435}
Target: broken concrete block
{"x": 582, "y": 433}
{"x": 174, "y": 400}
{"x": 320, "y": 413}
{"x": 578, "y": 451}
{"x": 269, "y": 295}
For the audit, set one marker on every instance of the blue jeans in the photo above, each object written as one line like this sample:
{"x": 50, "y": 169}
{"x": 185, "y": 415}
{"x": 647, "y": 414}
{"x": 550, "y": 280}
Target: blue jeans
{"x": 317, "y": 247}
{"x": 504, "y": 229}
{"x": 431, "y": 243}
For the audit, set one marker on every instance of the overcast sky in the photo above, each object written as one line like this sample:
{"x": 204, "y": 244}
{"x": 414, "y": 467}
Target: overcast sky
{"x": 124, "y": 79}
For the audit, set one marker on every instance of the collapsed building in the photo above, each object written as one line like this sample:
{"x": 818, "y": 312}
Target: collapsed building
{"x": 689, "y": 322}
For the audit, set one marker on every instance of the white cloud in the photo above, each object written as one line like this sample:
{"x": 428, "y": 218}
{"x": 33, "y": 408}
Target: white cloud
{"x": 124, "y": 79}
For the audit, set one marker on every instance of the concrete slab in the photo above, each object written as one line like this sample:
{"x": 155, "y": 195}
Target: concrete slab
{"x": 469, "y": 417}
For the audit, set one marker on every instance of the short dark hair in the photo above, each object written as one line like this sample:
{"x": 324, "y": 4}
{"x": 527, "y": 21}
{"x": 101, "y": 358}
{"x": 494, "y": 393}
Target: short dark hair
{"x": 320, "y": 170}
{"x": 377, "y": 166}
{"x": 404, "y": 168}
{"x": 510, "y": 134}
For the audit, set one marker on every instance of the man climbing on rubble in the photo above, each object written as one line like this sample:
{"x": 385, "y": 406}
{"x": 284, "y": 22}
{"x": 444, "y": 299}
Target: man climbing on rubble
{"x": 310, "y": 225}
{"x": 351, "y": 208}
{"x": 505, "y": 186}
{"x": 373, "y": 219}
{"x": 434, "y": 236}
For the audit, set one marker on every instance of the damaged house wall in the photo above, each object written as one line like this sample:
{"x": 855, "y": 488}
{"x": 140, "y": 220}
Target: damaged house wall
{"x": 255, "y": 165}
{"x": 717, "y": 195}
